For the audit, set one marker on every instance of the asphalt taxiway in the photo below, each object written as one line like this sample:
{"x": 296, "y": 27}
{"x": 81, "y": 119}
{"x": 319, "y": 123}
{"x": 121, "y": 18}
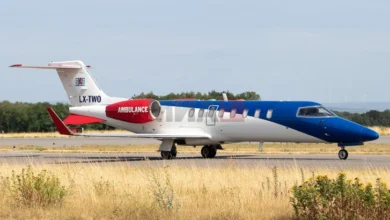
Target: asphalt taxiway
{"x": 78, "y": 141}
{"x": 355, "y": 161}
{"x": 325, "y": 161}
{"x": 74, "y": 141}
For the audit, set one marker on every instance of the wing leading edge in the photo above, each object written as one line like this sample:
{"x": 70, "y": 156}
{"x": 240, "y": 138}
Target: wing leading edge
{"x": 62, "y": 129}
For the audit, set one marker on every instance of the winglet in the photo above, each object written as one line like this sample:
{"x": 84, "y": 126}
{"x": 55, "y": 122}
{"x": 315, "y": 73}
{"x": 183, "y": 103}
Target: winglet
{"x": 61, "y": 127}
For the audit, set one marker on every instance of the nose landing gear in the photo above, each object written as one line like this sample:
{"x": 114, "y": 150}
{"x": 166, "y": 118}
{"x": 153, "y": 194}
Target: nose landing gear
{"x": 169, "y": 154}
{"x": 343, "y": 154}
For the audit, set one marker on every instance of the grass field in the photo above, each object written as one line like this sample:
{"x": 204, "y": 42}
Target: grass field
{"x": 107, "y": 191}
{"x": 103, "y": 191}
{"x": 240, "y": 148}
{"x": 385, "y": 131}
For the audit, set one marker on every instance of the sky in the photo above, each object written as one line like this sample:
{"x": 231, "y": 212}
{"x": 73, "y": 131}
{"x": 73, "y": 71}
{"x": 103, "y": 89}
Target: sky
{"x": 325, "y": 51}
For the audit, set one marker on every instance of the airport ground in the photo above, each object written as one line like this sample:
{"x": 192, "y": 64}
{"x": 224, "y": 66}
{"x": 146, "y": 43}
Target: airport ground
{"x": 135, "y": 151}
{"x": 127, "y": 179}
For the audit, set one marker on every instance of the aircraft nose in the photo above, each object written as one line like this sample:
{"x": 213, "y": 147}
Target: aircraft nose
{"x": 367, "y": 134}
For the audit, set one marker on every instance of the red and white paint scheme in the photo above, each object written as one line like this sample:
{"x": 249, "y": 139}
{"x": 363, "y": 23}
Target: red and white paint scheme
{"x": 138, "y": 111}
{"x": 210, "y": 123}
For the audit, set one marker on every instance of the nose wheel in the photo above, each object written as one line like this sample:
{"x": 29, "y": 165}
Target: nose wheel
{"x": 169, "y": 154}
{"x": 343, "y": 154}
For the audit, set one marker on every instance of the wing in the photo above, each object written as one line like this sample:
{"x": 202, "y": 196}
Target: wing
{"x": 62, "y": 129}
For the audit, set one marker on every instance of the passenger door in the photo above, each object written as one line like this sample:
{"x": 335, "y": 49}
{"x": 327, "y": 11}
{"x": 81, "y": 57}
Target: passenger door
{"x": 211, "y": 117}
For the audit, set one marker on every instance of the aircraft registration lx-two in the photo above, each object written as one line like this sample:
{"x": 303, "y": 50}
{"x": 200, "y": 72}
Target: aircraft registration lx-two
{"x": 200, "y": 122}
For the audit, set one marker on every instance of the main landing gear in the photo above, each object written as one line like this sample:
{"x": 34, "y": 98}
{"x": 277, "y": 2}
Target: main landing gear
{"x": 169, "y": 154}
{"x": 343, "y": 154}
{"x": 209, "y": 151}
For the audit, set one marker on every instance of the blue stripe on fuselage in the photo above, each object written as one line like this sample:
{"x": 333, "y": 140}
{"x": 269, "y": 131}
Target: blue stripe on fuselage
{"x": 285, "y": 114}
{"x": 264, "y": 106}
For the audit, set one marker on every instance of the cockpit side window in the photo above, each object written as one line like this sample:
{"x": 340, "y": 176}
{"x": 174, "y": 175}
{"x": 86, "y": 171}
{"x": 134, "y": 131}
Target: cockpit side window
{"x": 315, "y": 111}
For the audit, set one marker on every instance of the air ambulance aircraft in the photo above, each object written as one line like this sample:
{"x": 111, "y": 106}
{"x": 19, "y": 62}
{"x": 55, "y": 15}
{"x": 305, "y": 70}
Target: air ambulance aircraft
{"x": 209, "y": 123}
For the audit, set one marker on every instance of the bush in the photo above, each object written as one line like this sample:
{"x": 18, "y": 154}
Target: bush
{"x": 29, "y": 189}
{"x": 160, "y": 185}
{"x": 325, "y": 198}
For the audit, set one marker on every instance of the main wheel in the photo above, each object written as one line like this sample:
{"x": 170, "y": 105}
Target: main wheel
{"x": 174, "y": 151}
{"x": 208, "y": 151}
{"x": 166, "y": 155}
{"x": 343, "y": 154}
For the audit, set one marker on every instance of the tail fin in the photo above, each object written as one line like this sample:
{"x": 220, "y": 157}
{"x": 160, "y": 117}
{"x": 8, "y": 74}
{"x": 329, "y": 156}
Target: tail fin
{"x": 79, "y": 85}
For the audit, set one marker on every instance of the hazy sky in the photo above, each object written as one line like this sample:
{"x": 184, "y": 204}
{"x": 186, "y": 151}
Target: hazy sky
{"x": 285, "y": 50}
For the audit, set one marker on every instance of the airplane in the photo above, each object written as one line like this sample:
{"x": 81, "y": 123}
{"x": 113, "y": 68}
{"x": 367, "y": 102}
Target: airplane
{"x": 208, "y": 123}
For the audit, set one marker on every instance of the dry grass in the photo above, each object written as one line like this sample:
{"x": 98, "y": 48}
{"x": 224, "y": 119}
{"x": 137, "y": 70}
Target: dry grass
{"x": 385, "y": 131}
{"x": 105, "y": 191}
{"x": 55, "y": 134}
{"x": 240, "y": 148}
{"x": 32, "y": 135}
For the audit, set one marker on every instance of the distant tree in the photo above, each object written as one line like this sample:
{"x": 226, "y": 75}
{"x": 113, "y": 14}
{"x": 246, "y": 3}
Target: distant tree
{"x": 250, "y": 95}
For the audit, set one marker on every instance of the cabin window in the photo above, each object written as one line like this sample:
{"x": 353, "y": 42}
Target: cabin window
{"x": 269, "y": 113}
{"x": 257, "y": 113}
{"x": 233, "y": 113}
{"x": 221, "y": 112}
{"x": 245, "y": 113}
{"x": 191, "y": 113}
{"x": 315, "y": 111}
{"x": 200, "y": 113}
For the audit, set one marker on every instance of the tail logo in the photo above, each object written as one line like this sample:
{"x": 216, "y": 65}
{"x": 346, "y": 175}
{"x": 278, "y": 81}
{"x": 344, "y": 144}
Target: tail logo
{"x": 80, "y": 81}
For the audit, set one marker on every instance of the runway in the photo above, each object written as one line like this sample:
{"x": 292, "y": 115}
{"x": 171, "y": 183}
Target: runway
{"x": 187, "y": 160}
{"x": 311, "y": 161}
{"x": 78, "y": 141}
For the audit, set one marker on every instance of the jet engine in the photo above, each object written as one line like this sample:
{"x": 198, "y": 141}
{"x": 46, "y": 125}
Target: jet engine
{"x": 137, "y": 111}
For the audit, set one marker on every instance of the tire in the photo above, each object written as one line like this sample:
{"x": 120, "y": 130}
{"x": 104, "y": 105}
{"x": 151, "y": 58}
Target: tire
{"x": 166, "y": 155}
{"x": 343, "y": 154}
{"x": 208, "y": 151}
{"x": 174, "y": 151}
{"x": 213, "y": 152}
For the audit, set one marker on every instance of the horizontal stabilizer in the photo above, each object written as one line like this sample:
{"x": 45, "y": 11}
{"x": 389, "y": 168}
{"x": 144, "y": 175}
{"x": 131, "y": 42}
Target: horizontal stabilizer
{"x": 46, "y": 67}
{"x": 51, "y": 66}
{"x": 74, "y": 119}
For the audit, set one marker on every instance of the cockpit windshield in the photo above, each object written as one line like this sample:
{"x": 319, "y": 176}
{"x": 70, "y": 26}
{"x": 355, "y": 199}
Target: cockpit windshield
{"x": 314, "y": 111}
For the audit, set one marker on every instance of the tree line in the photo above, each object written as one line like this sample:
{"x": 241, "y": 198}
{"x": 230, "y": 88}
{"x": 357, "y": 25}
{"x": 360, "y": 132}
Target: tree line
{"x": 370, "y": 118}
{"x": 33, "y": 117}
{"x": 201, "y": 96}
